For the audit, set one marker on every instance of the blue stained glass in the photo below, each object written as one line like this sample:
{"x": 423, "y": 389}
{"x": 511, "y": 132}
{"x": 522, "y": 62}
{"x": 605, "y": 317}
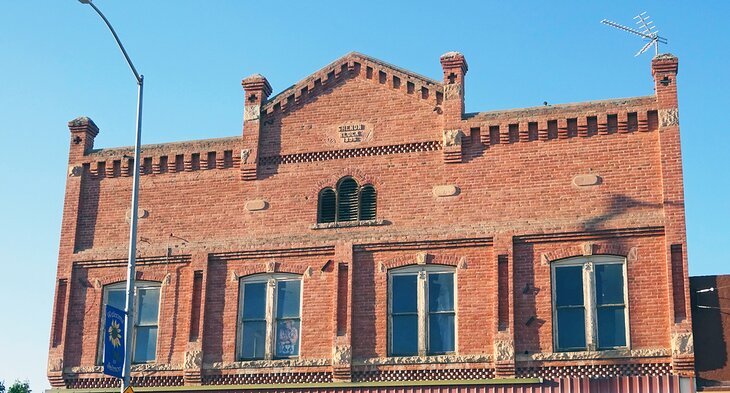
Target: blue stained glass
{"x": 441, "y": 333}
{"x": 405, "y": 293}
{"x": 405, "y": 335}
{"x": 571, "y": 328}
{"x": 441, "y": 292}
{"x": 254, "y": 340}
{"x": 611, "y": 327}
{"x": 569, "y": 286}
{"x": 609, "y": 284}
{"x": 287, "y": 299}
{"x": 254, "y": 300}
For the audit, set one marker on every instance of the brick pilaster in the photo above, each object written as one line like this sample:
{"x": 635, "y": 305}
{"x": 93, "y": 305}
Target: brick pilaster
{"x": 256, "y": 91}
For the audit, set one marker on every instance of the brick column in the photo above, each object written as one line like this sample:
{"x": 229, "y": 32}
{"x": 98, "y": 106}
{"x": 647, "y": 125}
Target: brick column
{"x": 664, "y": 69}
{"x": 342, "y": 349}
{"x": 454, "y": 67}
{"x": 196, "y": 298}
{"x": 83, "y": 131}
{"x": 256, "y": 91}
{"x": 504, "y": 338}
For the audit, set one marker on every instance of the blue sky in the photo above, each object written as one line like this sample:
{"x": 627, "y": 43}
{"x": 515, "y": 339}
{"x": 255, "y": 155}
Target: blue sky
{"x": 57, "y": 61}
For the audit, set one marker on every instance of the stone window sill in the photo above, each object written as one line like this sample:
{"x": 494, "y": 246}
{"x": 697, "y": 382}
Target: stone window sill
{"x": 349, "y": 224}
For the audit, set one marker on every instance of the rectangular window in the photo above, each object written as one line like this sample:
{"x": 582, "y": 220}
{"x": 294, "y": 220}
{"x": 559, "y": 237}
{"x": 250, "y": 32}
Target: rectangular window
{"x": 610, "y": 306}
{"x": 405, "y": 315}
{"x": 270, "y": 316}
{"x": 422, "y": 305}
{"x": 569, "y": 307}
{"x": 441, "y": 313}
{"x": 253, "y": 323}
{"x": 589, "y": 300}
{"x": 147, "y": 310}
{"x": 288, "y": 294}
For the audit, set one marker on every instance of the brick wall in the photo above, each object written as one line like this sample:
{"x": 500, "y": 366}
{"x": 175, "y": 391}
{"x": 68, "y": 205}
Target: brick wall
{"x": 530, "y": 186}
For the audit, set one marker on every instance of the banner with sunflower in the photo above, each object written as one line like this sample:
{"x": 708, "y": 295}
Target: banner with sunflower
{"x": 114, "y": 341}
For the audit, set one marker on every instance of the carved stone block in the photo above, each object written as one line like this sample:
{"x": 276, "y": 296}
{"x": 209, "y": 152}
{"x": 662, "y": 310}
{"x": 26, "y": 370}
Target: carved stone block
{"x": 452, "y": 138}
{"x": 452, "y": 91}
{"x": 251, "y": 112}
{"x": 342, "y": 355}
{"x": 504, "y": 350}
{"x": 682, "y": 344}
{"x": 669, "y": 117}
{"x": 193, "y": 359}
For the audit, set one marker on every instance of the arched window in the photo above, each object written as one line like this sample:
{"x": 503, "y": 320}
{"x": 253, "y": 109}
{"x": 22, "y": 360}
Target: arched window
{"x": 348, "y": 202}
{"x": 327, "y": 207}
{"x": 367, "y": 202}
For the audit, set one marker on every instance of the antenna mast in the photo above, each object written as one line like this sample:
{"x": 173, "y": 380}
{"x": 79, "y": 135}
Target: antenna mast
{"x": 647, "y": 31}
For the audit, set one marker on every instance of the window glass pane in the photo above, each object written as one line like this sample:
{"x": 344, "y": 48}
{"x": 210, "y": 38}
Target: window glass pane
{"x": 149, "y": 304}
{"x": 287, "y": 338}
{"x": 405, "y": 294}
{"x": 405, "y": 335}
{"x": 287, "y": 299}
{"x": 441, "y": 333}
{"x": 117, "y": 298}
{"x": 569, "y": 286}
{"x": 441, "y": 292}
{"x": 571, "y": 328}
{"x": 254, "y": 300}
{"x": 254, "y": 336}
{"x": 611, "y": 327}
{"x": 145, "y": 344}
{"x": 610, "y": 284}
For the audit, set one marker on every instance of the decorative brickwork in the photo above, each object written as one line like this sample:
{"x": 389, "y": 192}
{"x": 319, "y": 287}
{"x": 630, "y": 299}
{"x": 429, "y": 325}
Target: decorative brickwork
{"x": 499, "y": 196}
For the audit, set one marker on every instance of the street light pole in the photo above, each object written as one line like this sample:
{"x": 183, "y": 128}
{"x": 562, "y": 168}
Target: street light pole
{"x": 129, "y": 308}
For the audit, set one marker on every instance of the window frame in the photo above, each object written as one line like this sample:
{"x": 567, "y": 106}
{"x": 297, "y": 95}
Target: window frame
{"x": 271, "y": 280}
{"x": 144, "y": 284}
{"x": 422, "y": 298}
{"x": 588, "y": 264}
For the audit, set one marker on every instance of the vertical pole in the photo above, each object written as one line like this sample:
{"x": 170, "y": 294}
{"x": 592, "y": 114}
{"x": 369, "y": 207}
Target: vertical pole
{"x": 129, "y": 317}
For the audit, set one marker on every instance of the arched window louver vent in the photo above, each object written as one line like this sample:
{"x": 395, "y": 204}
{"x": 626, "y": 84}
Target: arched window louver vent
{"x": 327, "y": 206}
{"x": 347, "y": 200}
{"x": 367, "y": 202}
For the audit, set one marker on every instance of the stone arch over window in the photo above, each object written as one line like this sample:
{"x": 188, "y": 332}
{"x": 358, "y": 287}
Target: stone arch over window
{"x": 348, "y": 201}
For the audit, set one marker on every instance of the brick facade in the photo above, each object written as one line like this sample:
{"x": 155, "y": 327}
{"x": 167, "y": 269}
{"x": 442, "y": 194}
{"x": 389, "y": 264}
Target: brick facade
{"x": 499, "y": 196}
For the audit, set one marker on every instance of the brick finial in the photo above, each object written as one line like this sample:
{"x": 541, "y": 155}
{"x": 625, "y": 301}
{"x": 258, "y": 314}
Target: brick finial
{"x": 664, "y": 69}
{"x": 83, "y": 131}
{"x": 454, "y": 66}
{"x": 257, "y": 89}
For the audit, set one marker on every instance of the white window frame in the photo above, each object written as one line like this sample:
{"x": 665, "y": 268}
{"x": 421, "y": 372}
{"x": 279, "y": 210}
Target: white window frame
{"x": 123, "y": 285}
{"x": 272, "y": 280}
{"x": 588, "y": 264}
{"x": 422, "y": 272}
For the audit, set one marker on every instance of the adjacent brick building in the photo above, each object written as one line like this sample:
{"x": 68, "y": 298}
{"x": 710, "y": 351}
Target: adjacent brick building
{"x": 365, "y": 233}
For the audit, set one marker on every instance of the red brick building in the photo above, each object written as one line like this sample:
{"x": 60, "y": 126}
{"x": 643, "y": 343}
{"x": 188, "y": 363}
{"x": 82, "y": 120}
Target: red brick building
{"x": 365, "y": 233}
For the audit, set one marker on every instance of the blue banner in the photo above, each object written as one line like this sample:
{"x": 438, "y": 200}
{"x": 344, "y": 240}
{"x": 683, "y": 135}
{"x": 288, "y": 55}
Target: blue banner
{"x": 113, "y": 341}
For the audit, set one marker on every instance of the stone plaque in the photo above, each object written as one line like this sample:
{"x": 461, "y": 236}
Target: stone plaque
{"x": 350, "y": 133}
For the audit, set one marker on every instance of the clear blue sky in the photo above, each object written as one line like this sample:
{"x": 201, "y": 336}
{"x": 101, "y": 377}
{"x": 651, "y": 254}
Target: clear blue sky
{"x": 57, "y": 61}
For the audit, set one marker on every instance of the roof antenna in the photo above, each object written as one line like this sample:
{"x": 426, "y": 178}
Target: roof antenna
{"x": 646, "y": 30}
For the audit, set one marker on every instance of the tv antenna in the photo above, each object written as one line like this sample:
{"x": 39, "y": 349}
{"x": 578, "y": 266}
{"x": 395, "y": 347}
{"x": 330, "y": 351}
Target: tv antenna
{"x": 646, "y": 30}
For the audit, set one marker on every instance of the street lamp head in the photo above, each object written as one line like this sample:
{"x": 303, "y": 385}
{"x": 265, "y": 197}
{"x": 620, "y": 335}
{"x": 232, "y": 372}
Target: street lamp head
{"x": 85, "y": 1}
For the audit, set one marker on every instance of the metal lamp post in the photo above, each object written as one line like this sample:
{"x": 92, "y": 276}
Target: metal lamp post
{"x": 129, "y": 308}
